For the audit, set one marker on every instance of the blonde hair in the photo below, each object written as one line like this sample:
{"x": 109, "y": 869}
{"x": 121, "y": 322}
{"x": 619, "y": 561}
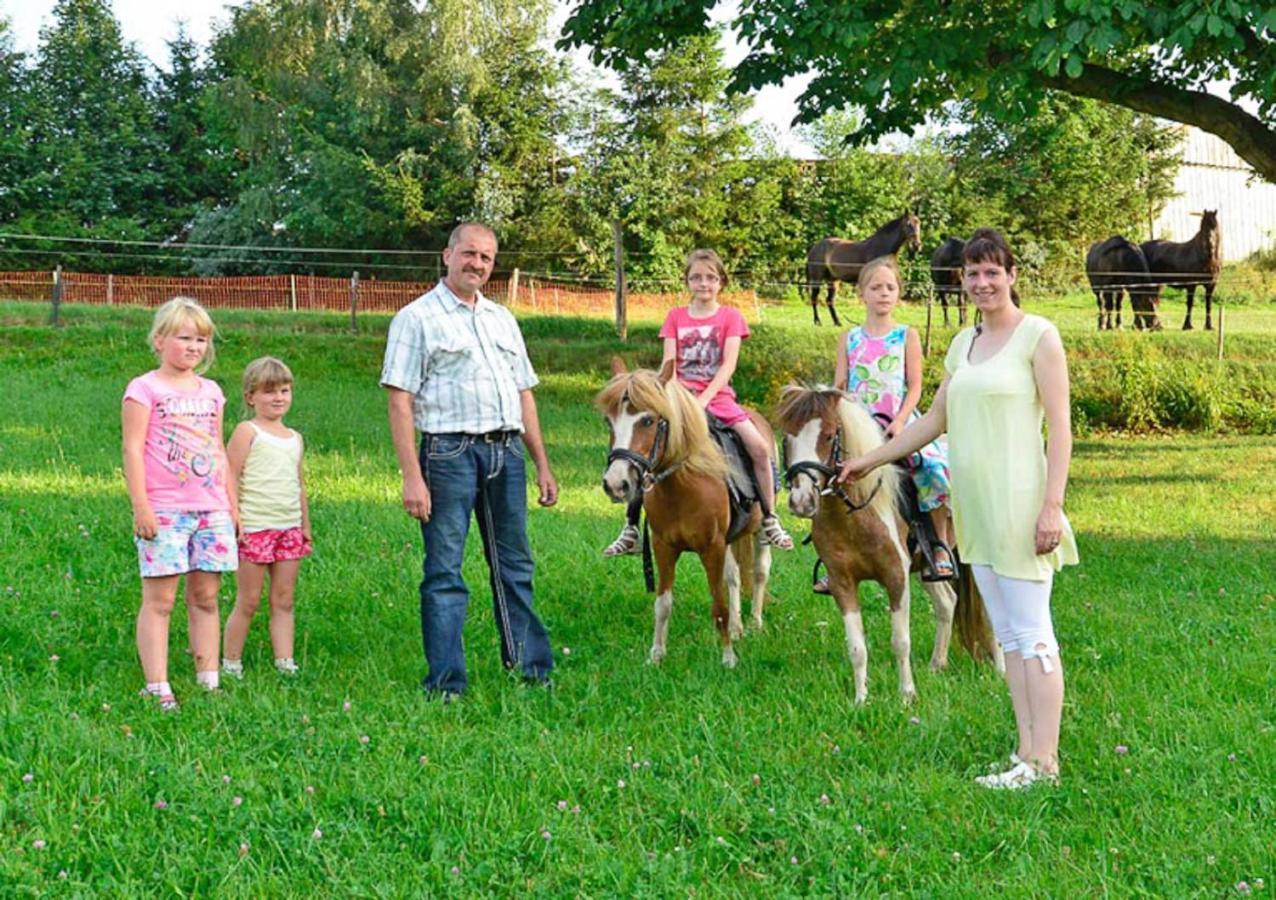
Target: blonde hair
{"x": 709, "y": 257}
{"x": 871, "y": 267}
{"x": 184, "y": 311}
{"x": 264, "y": 373}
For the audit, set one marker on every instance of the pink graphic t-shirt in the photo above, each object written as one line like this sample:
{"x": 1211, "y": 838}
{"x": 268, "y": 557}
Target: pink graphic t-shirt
{"x": 183, "y": 456}
{"x": 701, "y": 343}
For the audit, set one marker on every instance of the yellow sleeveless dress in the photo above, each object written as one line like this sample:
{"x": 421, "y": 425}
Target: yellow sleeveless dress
{"x": 997, "y": 459}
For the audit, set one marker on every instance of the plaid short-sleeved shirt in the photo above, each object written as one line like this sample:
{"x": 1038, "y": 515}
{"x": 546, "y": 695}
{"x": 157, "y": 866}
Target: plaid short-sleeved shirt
{"x": 464, "y": 367}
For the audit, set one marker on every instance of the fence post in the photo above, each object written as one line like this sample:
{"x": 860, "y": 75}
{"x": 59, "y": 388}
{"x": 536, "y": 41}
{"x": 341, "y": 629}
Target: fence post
{"x": 292, "y": 292}
{"x": 110, "y": 289}
{"x": 930, "y": 306}
{"x": 513, "y": 287}
{"x": 1220, "y": 331}
{"x": 622, "y": 315}
{"x": 531, "y": 289}
{"x": 354, "y": 300}
{"x": 57, "y": 296}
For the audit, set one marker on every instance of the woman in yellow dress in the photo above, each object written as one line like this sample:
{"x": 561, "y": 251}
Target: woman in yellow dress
{"x": 1004, "y": 377}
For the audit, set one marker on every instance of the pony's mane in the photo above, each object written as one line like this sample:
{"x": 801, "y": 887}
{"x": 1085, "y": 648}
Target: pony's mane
{"x": 689, "y": 446}
{"x": 860, "y": 434}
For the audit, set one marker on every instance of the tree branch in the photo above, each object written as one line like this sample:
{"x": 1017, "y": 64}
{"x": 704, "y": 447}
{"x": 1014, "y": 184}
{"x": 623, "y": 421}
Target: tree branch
{"x": 1248, "y": 136}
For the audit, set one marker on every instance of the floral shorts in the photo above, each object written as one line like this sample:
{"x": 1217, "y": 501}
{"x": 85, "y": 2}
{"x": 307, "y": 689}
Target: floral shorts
{"x": 273, "y": 545}
{"x": 189, "y": 542}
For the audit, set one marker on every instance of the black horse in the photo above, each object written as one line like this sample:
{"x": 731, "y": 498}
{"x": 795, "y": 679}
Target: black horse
{"x": 833, "y": 259}
{"x": 945, "y": 271}
{"x": 1116, "y": 267}
{"x": 1189, "y": 264}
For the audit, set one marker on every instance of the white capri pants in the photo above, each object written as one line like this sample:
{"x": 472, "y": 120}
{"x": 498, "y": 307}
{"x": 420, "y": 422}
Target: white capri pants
{"x": 1020, "y": 614}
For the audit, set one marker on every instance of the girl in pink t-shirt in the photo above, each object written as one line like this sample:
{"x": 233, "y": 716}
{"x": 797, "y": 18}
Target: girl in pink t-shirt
{"x": 184, "y": 511}
{"x": 703, "y": 339}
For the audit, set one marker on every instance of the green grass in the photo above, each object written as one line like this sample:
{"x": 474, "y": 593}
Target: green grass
{"x": 1167, "y": 629}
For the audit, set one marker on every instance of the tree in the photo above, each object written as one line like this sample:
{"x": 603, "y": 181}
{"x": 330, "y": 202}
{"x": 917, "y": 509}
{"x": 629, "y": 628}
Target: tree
{"x": 1073, "y": 172}
{"x": 660, "y": 157}
{"x": 195, "y": 172}
{"x": 94, "y": 141}
{"x": 15, "y": 127}
{"x": 903, "y": 61}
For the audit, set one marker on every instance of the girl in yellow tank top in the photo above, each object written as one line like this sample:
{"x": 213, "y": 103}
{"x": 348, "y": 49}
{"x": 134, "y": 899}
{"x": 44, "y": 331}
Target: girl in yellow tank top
{"x": 274, "y": 518}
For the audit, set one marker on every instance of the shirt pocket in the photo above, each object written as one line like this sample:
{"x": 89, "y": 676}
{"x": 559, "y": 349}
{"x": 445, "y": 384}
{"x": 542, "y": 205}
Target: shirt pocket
{"x": 510, "y": 353}
{"x": 452, "y": 357}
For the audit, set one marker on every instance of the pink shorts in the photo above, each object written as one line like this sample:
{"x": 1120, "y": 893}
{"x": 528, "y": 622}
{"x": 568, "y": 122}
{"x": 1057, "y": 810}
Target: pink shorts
{"x": 273, "y": 545}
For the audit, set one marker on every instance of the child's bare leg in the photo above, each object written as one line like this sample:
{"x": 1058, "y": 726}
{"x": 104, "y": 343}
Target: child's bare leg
{"x": 773, "y": 531}
{"x": 761, "y": 458}
{"x": 943, "y": 524}
{"x": 203, "y": 618}
{"x": 248, "y": 584}
{"x": 283, "y": 584}
{"x": 158, "y": 598}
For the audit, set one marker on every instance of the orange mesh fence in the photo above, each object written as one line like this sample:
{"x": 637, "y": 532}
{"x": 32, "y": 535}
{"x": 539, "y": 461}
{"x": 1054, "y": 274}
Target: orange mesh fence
{"x": 317, "y": 293}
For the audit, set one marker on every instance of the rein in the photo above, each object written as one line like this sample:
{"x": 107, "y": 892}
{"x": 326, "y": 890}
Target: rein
{"x": 812, "y": 468}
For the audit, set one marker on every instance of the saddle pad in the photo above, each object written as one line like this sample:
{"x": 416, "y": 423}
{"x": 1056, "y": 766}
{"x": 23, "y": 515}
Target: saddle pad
{"x": 741, "y": 487}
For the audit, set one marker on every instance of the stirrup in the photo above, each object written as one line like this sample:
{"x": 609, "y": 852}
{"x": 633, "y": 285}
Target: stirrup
{"x": 932, "y": 571}
{"x": 774, "y": 534}
{"x": 626, "y": 544}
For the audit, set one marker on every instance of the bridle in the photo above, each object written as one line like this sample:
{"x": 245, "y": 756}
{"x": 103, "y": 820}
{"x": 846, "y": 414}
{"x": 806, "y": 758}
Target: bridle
{"x": 814, "y": 470}
{"x": 646, "y": 464}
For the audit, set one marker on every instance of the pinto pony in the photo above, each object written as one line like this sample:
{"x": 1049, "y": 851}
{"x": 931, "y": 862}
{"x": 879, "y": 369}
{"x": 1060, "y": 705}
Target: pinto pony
{"x": 661, "y": 450}
{"x": 861, "y": 536}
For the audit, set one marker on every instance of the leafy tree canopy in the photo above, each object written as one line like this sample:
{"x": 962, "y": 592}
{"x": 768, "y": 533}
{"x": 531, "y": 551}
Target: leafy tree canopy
{"x": 903, "y": 61}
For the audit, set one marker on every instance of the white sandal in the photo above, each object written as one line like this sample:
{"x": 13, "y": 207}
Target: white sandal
{"x": 1023, "y": 775}
{"x": 774, "y": 534}
{"x": 626, "y": 544}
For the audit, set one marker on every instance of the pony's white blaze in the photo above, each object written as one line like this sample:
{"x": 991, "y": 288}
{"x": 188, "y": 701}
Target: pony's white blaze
{"x": 621, "y": 474}
{"x": 804, "y": 495}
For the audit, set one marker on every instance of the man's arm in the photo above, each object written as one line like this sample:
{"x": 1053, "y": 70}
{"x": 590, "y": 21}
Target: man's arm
{"x": 416, "y": 494}
{"x": 536, "y": 447}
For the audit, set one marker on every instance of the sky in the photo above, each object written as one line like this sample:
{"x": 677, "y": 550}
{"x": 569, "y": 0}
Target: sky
{"x": 150, "y": 24}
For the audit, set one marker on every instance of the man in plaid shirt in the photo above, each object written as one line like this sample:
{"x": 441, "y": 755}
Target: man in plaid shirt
{"x": 456, "y": 370}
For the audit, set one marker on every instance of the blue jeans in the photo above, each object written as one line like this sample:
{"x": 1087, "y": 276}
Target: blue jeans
{"x": 467, "y": 473}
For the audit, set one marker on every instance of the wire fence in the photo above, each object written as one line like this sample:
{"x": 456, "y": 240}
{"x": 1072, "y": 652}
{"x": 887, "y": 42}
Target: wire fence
{"x": 542, "y": 293}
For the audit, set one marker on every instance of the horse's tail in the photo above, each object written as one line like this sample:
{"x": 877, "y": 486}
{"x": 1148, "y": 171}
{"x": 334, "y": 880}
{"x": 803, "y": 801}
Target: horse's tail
{"x": 973, "y": 628}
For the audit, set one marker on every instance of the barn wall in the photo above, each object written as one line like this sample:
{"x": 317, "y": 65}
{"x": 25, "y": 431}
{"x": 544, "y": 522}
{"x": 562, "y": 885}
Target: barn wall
{"x": 1212, "y": 176}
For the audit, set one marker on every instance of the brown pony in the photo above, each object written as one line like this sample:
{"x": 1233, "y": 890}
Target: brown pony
{"x": 834, "y": 259}
{"x": 661, "y": 448}
{"x": 860, "y": 535}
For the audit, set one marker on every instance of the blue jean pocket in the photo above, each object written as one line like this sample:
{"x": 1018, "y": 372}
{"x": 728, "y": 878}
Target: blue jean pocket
{"x": 447, "y": 446}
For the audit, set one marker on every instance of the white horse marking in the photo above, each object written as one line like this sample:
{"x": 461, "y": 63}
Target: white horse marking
{"x": 804, "y": 494}
{"x": 857, "y": 649}
{"x": 622, "y": 472}
{"x": 731, "y": 574}
{"x": 660, "y": 638}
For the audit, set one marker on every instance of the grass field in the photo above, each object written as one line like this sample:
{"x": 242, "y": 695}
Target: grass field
{"x": 624, "y": 780}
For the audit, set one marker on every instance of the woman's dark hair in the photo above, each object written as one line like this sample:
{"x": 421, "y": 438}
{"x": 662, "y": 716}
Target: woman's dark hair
{"x": 988, "y": 245}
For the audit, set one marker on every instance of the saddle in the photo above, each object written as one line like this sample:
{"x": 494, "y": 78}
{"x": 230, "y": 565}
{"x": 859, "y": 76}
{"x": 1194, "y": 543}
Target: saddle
{"x": 742, "y": 486}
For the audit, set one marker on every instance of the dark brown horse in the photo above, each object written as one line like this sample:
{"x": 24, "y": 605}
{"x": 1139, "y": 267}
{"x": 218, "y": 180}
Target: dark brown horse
{"x": 1188, "y": 264}
{"x": 945, "y": 272}
{"x": 661, "y": 451}
{"x": 833, "y": 259}
{"x": 1116, "y": 267}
